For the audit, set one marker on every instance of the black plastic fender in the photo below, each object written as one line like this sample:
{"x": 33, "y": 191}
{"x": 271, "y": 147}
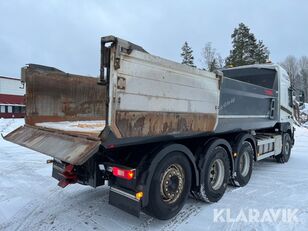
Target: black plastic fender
{"x": 240, "y": 139}
{"x": 286, "y": 127}
{"x": 151, "y": 161}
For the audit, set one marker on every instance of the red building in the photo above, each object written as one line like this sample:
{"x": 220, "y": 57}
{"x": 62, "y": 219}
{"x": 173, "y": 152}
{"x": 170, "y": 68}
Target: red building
{"x": 11, "y": 98}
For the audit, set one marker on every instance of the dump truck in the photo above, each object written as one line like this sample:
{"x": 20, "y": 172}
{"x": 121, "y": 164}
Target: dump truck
{"x": 156, "y": 131}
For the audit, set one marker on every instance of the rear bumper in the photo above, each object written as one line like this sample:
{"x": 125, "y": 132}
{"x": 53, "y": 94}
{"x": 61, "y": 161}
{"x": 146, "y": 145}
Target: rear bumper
{"x": 122, "y": 192}
{"x": 64, "y": 173}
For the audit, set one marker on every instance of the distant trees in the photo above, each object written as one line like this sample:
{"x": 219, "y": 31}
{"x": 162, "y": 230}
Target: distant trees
{"x": 297, "y": 70}
{"x": 210, "y": 58}
{"x": 303, "y": 72}
{"x": 290, "y": 64}
{"x": 187, "y": 55}
{"x": 246, "y": 49}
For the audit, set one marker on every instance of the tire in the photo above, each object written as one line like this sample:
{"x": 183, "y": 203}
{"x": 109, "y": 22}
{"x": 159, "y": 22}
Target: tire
{"x": 162, "y": 204}
{"x": 243, "y": 165}
{"x": 215, "y": 160}
{"x": 284, "y": 156}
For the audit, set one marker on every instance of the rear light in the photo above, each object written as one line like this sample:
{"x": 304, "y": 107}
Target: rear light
{"x": 139, "y": 195}
{"x": 127, "y": 174}
{"x": 69, "y": 176}
{"x": 111, "y": 146}
{"x": 268, "y": 92}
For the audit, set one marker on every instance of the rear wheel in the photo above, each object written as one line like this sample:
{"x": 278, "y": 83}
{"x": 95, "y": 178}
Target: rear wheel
{"x": 243, "y": 165}
{"x": 284, "y": 156}
{"x": 216, "y": 173}
{"x": 170, "y": 186}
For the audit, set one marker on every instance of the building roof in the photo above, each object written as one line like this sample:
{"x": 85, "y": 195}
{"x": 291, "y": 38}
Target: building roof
{"x": 11, "y": 78}
{"x": 11, "y": 99}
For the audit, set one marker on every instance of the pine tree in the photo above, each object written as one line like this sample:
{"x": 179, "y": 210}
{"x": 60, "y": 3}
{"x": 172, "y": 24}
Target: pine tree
{"x": 187, "y": 55}
{"x": 246, "y": 50}
{"x": 214, "y": 65}
{"x": 261, "y": 53}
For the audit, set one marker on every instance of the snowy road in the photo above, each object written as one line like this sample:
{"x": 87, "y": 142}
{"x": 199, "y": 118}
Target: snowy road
{"x": 31, "y": 200}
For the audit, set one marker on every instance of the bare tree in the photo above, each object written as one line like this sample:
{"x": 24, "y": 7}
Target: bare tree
{"x": 290, "y": 64}
{"x": 210, "y": 58}
{"x": 297, "y": 70}
{"x": 303, "y": 69}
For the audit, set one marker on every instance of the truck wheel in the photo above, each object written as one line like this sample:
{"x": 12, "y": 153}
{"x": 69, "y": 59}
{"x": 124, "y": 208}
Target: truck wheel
{"x": 170, "y": 186}
{"x": 243, "y": 165}
{"x": 216, "y": 173}
{"x": 284, "y": 156}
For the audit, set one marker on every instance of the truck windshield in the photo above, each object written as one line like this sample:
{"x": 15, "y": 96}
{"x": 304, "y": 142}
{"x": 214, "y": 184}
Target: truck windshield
{"x": 257, "y": 76}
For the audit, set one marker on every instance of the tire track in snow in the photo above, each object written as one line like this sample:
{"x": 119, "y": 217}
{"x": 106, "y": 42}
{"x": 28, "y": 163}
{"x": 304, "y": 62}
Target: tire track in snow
{"x": 183, "y": 216}
{"x": 44, "y": 214}
{"x": 29, "y": 209}
{"x": 190, "y": 210}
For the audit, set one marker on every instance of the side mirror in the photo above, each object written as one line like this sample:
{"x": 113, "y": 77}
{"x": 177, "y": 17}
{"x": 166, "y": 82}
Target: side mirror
{"x": 301, "y": 98}
{"x": 290, "y": 93}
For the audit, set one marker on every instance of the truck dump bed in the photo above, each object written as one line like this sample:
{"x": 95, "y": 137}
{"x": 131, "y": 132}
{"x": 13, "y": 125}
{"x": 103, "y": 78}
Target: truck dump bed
{"x": 139, "y": 97}
{"x": 64, "y": 114}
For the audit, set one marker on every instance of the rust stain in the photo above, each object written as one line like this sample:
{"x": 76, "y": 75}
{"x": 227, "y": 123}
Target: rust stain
{"x": 58, "y": 96}
{"x": 73, "y": 149}
{"x": 132, "y": 124}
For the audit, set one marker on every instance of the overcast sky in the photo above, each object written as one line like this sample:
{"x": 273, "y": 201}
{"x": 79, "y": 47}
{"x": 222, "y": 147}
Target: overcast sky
{"x": 66, "y": 33}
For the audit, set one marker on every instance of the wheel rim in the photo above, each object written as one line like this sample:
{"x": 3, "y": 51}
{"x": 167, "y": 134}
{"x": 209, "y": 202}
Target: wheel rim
{"x": 244, "y": 164}
{"x": 172, "y": 183}
{"x": 217, "y": 174}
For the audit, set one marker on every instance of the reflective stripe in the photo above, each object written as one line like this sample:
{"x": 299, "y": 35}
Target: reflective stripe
{"x": 130, "y": 196}
{"x": 241, "y": 116}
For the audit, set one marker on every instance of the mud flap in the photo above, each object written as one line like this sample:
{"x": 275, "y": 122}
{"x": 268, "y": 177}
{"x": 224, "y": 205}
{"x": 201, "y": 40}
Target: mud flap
{"x": 124, "y": 201}
{"x": 70, "y": 148}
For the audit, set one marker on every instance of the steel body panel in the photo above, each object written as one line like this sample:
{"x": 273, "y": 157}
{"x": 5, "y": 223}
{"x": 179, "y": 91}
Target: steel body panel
{"x": 245, "y": 106}
{"x": 154, "y": 96}
{"x": 283, "y": 85}
{"x": 159, "y": 85}
{"x": 132, "y": 124}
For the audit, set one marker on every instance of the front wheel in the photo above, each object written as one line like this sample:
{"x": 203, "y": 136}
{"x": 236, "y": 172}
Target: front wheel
{"x": 170, "y": 186}
{"x": 284, "y": 156}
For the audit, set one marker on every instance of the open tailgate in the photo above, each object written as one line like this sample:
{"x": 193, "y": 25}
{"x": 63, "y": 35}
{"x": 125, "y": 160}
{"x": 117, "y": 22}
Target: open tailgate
{"x": 63, "y": 146}
{"x": 57, "y": 98}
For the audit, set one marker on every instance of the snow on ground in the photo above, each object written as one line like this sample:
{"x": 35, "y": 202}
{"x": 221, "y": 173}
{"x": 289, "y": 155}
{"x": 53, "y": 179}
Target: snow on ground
{"x": 31, "y": 200}
{"x": 305, "y": 108}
